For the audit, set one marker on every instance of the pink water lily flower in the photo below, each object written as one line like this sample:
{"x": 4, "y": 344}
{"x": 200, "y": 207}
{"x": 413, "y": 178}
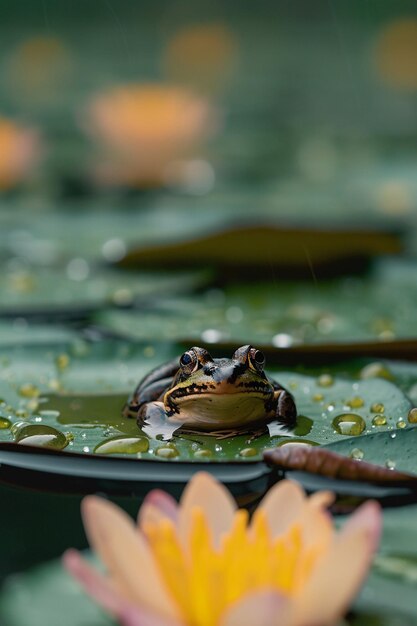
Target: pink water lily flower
{"x": 203, "y": 563}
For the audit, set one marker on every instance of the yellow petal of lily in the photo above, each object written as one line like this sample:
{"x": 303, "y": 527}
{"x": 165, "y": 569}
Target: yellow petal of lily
{"x": 209, "y": 565}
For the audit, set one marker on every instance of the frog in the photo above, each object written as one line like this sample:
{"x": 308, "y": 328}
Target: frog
{"x": 199, "y": 393}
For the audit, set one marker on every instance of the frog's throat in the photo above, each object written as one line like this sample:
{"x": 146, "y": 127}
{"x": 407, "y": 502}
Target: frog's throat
{"x": 238, "y": 407}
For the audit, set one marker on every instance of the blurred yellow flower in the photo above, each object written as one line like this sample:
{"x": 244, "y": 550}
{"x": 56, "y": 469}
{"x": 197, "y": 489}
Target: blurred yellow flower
{"x": 19, "y": 153}
{"x": 203, "y": 563}
{"x": 143, "y": 129}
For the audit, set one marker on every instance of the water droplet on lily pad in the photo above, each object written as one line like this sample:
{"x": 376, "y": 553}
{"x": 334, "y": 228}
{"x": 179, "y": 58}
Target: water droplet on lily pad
{"x": 355, "y": 403}
{"x": 307, "y": 443}
{"x": 325, "y": 380}
{"x": 317, "y": 397}
{"x": 28, "y": 390}
{"x": 357, "y": 454}
{"x": 349, "y": 424}
{"x": 4, "y": 423}
{"x": 203, "y": 454}
{"x": 49, "y": 414}
{"x": 389, "y": 464}
{"x": 62, "y": 361}
{"x": 376, "y": 370}
{"x": 122, "y": 445}
{"x": 379, "y": 420}
{"x": 248, "y": 452}
{"x": 39, "y": 435}
{"x": 167, "y": 453}
{"x": 377, "y": 407}
{"x": 412, "y": 416}
{"x": 401, "y": 423}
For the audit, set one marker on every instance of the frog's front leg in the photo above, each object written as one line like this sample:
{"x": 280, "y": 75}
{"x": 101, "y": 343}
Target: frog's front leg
{"x": 285, "y": 413}
{"x": 152, "y": 420}
{"x": 149, "y": 393}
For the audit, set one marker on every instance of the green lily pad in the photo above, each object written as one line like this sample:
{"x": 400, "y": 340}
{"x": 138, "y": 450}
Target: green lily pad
{"x": 395, "y": 449}
{"x": 81, "y": 392}
{"x": 81, "y": 286}
{"x": 376, "y": 308}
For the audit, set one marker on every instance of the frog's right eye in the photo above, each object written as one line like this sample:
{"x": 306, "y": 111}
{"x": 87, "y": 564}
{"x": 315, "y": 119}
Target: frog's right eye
{"x": 189, "y": 361}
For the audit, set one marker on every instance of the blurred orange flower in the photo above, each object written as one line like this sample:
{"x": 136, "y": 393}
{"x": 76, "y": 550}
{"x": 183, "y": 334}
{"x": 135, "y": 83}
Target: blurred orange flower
{"x": 19, "y": 153}
{"x": 203, "y": 563}
{"x": 143, "y": 129}
{"x": 396, "y": 54}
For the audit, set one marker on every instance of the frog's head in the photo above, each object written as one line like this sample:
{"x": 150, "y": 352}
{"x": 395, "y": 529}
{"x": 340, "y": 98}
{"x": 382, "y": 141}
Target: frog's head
{"x": 224, "y": 393}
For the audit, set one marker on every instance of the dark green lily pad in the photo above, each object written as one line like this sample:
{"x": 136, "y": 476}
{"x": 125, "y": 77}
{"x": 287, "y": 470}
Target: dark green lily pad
{"x": 81, "y": 392}
{"x": 395, "y": 449}
{"x": 377, "y": 308}
{"x": 81, "y": 286}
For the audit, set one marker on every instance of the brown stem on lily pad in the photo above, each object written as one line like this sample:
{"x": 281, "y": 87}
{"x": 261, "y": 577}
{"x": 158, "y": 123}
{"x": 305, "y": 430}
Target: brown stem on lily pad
{"x": 332, "y": 465}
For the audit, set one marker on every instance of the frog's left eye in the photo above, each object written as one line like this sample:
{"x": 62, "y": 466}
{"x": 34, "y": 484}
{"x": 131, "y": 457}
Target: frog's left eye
{"x": 256, "y": 358}
{"x": 189, "y": 361}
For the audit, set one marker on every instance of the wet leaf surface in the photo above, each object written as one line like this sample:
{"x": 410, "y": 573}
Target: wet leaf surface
{"x": 80, "y": 391}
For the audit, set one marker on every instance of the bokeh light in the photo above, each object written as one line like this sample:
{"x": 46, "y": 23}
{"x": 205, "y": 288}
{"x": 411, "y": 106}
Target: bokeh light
{"x": 396, "y": 54}
{"x": 143, "y": 129}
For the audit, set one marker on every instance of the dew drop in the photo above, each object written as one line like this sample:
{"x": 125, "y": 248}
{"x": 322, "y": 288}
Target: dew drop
{"x": 50, "y": 414}
{"x": 401, "y": 423}
{"x": 86, "y": 449}
{"x": 4, "y": 423}
{"x": 306, "y": 443}
{"x": 412, "y": 416}
{"x": 393, "y": 435}
{"x": 317, "y": 397}
{"x": 357, "y": 454}
{"x": 349, "y": 424}
{"x": 62, "y": 361}
{"x": 377, "y": 407}
{"x": 325, "y": 380}
{"x": 201, "y": 454}
{"x": 248, "y": 452}
{"x": 379, "y": 420}
{"x": 123, "y": 445}
{"x": 389, "y": 464}
{"x": 39, "y": 435}
{"x": 376, "y": 370}
{"x": 355, "y": 403}
{"x": 28, "y": 390}
{"x": 167, "y": 453}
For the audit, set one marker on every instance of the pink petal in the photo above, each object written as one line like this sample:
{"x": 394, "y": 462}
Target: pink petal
{"x": 339, "y": 574}
{"x": 218, "y": 505}
{"x": 156, "y": 506}
{"x": 265, "y": 608}
{"x": 127, "y": 556}
{"x": 134, "y": 616}
{"x": 369, "y": 514}
{"x": 95, "y": 584}
{"x": 321, "y": 499}
{"x": 282, "y": 505}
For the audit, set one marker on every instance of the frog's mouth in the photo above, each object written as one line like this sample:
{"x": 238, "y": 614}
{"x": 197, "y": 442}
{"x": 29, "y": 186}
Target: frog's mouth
{"x": 207, "y": 409}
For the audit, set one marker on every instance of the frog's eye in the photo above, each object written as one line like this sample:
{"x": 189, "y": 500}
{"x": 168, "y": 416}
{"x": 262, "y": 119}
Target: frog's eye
{"x": 189, "y": 361}
{"x": 256, "y": 359}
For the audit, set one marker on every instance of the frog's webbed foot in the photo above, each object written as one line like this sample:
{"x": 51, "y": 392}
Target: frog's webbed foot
{"x": 152, "y": 420}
